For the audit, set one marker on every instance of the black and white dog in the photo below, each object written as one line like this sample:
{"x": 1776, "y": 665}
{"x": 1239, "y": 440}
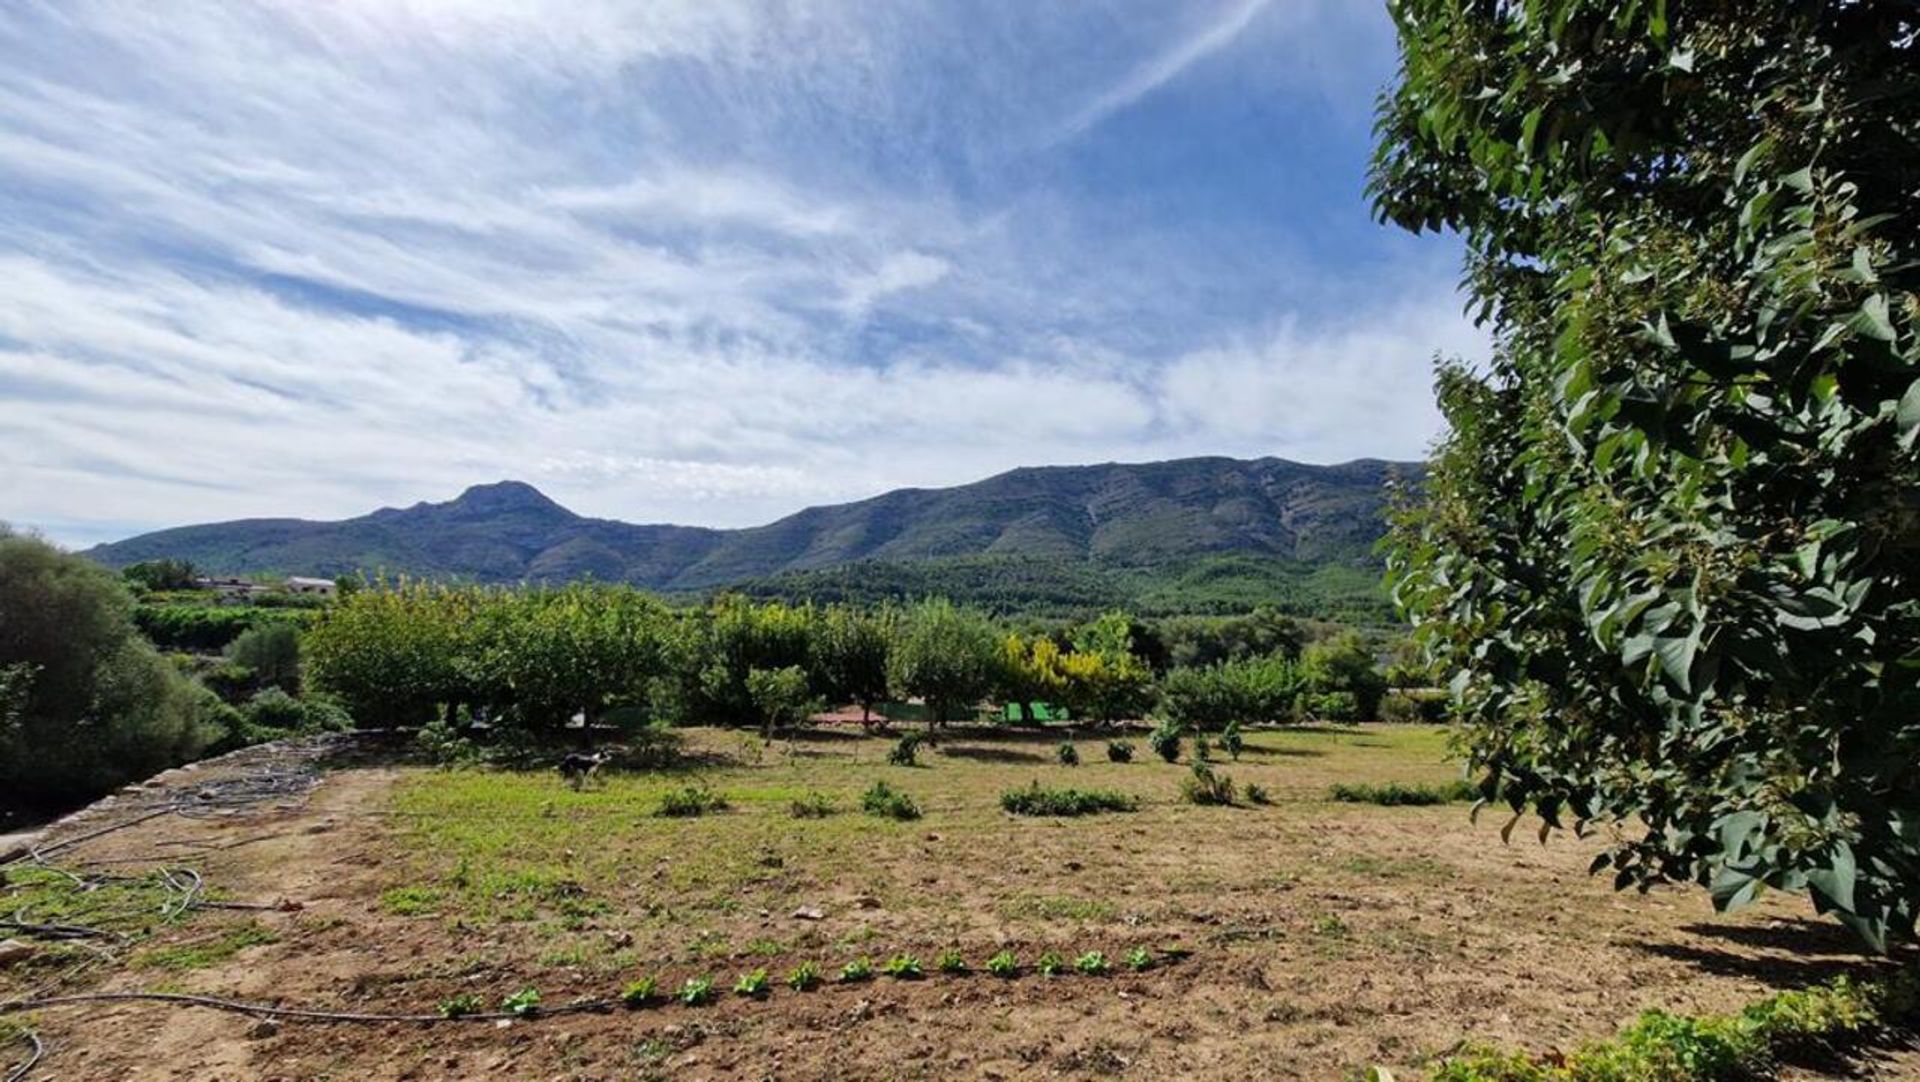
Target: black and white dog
{"x": 580, "y": 767}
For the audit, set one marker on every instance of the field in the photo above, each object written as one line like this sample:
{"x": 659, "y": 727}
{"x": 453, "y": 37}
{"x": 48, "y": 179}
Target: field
{"x": 1302, "y": 938}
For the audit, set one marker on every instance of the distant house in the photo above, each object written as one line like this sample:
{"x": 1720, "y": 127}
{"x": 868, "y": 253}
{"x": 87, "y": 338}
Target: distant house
{"x": 297, "y": 584}
{"x": 229, "y": 589}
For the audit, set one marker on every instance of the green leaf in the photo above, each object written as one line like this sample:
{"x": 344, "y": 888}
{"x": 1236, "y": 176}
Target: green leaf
{"x": 1908, "y": 415}
{"x": 1676, "y": 655}
{"x": 1837, "y": 879}
{"x": 1872, "y": 319}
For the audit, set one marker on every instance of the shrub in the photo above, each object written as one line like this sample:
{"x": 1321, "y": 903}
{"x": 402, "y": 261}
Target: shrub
{"x": 1232, "y": 740}
{"x": 689, "y": 801}
{"x": 1035, "y": 800}
{"x": 1165, "y": 741}
{"x": 1203, "y": 786}
{"x": 815, "y": 805}
{"x": 1394, "y": 793}
{"x": 1343, "y": 706}
{"x": 638, "y": 993}
{"x": 950, "y": 961}
{"x": 1119, "y": 751}
{"x": 803, "y": 977}
{"x": 88, "y": 704}
{"x": 860, "y": 969}
{"x": 906, "y": 751}
{"x": 1414, "y": 706}
{"x": 1068, "y": 754}
{"x": 1257, "y": 794}
{"x": 903, "y": 967}
{"x": 1003, "y": 965}
{"x": 1202, "y": 748}
{"x": 886, "y": 802}
{"x": 272, "y": 651}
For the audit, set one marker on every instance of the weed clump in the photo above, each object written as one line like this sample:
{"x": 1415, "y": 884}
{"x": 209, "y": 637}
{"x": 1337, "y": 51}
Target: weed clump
{"x": 1203, "y": 786}
{"x": 906, "y": 752}
{"x": 690, "y": 802}
{"x": 1035, "y": 800}
{"x": 1119, "y": 751}
{"x": 815, "y": 805}
{"x": 639, "y": 993}
{"x": 887, "y": 802}
{"x": 1068, "y": 754}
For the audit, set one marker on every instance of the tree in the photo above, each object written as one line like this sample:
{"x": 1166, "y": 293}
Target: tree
{"x": 161, "y": 574}
{"x": 86, "y": 704}
{"x": 1343, "y": 665}
{"x": 780, "y": 696}
{"x": 849, "y": 655}
{"x": 1028, "y": 671}
{"x": 945, "y": 655}
{"x": 272, "y": 652}
{"x": 1668, "y": 553}
{"x": 393, "y": 654}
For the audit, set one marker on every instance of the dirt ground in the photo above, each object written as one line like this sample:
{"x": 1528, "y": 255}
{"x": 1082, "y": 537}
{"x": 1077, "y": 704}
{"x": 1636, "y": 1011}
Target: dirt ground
{"x": 1301, "y": 939}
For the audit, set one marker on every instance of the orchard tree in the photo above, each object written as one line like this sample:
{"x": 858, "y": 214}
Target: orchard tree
{"x": 946, "y": 655}
{"x": 849, "y": 655}
{"x": 1668, "y": 553}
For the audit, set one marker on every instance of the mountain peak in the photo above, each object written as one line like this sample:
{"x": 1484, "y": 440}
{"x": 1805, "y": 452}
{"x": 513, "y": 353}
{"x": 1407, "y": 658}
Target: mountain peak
{"x": 505, "y": 497}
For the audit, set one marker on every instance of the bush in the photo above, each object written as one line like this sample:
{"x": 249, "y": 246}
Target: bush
{"x": 1034, "y": 800}
{"x": 906, "y": 751}
{"x": 1251, "y": 689}
{"x": 886, "y": 802}
{"x": 1341, "y": 706}
{"x": 89, "y": 704}
{"x": 1068, "y": 754}
{"x": 1257, "y": 794}
{"x": 1203, "y": 786}
{"x": 1232, "y": 740}
{"x": 1165, "y": 741}
{"x": 1119, "y": 751}
{"x": 690, "y": 802}
{"x": 1414, "y": 706}
{"x": 814, "y": 805}
{"x": 272, "y": 652}
{"x": 174, "y": 626}
{"x": 1394, "y": 794}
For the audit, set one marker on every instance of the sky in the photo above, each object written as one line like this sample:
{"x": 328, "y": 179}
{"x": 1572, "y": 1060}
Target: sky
{"x": 705, "y": 262}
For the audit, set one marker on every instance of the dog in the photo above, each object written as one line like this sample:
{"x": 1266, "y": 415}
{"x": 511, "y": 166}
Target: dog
{"x": 579, "y": 768}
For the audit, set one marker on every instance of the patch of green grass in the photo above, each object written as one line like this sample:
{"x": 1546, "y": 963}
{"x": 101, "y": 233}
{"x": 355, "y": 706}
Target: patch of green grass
{"x": 1394, "y": 794}
{"x": 1035, "y": 800}
{"x": 1057, "y": 907}
{"x": 411, "y": 901}
{"x": 206, "y": 951}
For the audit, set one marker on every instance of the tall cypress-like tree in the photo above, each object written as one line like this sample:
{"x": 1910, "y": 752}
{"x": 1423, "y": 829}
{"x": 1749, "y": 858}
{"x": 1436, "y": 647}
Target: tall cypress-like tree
{"x": 1671, "y": 549}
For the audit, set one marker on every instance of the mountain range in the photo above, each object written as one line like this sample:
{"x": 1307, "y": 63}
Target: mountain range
{"x": 1145, "y": 515}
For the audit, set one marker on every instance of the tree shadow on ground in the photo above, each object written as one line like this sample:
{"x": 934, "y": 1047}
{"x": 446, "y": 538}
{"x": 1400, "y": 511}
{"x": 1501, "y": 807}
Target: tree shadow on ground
{"x": 1794, "y": 953}
{"x": 991, "y": 754}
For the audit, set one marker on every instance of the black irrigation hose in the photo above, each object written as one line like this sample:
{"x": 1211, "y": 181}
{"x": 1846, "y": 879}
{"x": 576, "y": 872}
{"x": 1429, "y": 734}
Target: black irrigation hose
{"x": 298, "y": 1014}
{"x": 39, "y": 1053}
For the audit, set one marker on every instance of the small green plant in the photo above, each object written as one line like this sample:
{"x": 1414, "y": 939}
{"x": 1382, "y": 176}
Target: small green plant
{"x": 906, "y": 752}
{"x": 1165, "y": 741}
{"x": 1232, "y": 740}
{"x": 1257, "y": 794}
{"x": 1004, "y": 965}
{"x": 753, "y": 984}
{"x": 815, "y": 805}
{"x": 1202, "y": 748}
{"x": 1050, "y": 964}
{"x": 860, "y": 969}
{"x": 1330, "y": 926}
{"x": 804, "y": 977}
{"x": 460, "y": 1006}
{"x": 525, "y": 1002}
{"x": 696, "y": 991}
{"x": 950, "y": 961}
{"x": 690, "y": 802}
{"x": 1093, "y": 964}
{"x": 639, "y": 993}
{"x": 1394, "y": 794}
{"x": 1068, "y": 754}
{"x": 887, "y": 802}
{"x": 903, "y": 967}
{"x": 1034, "y": 800}
{"x": 1203, "y": 786}
{"x": 1119, "y": 751}
{"x": 1139, "y": 959}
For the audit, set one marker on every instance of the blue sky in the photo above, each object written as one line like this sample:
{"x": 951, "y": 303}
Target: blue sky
{"x": 704, "y": 262}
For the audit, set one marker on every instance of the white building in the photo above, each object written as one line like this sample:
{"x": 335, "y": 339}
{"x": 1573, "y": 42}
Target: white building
{"x": 318, "y": 587}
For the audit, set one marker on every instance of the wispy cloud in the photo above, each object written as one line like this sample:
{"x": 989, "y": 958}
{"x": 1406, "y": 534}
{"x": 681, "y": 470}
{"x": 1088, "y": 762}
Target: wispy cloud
{"x": 1156, "y": 70}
